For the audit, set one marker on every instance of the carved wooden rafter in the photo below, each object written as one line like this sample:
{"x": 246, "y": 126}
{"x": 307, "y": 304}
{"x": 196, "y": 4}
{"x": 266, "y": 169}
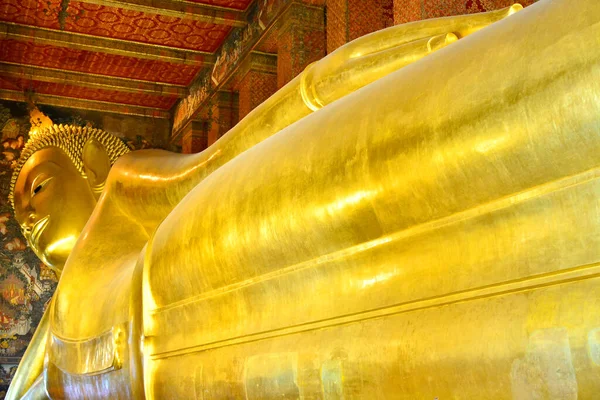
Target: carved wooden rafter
{"x": 80, "y": 104}
{"x": 9, "y": 70}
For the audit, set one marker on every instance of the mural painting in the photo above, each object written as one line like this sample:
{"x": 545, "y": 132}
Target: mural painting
{"x": 240, "y": 40}
{"x": 26, "y": 284}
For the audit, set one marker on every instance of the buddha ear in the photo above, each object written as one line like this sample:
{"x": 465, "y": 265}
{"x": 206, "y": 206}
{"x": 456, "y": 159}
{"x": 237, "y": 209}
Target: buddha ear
{"x": 96, "y": 164}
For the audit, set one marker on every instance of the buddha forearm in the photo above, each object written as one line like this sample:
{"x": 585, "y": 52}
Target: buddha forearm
{"x": 461, "y": 25}
{"x": 378, "y": 54}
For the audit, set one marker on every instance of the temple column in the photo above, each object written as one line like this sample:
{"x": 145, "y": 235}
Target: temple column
{"x": 301, "y": 40}
{"x": 351, "y": 19}
{"x": 255, "y": 87}
{"x": 258, "y": 81}
{"x": 223, "y": 115}
{"x": 195, "y": 137}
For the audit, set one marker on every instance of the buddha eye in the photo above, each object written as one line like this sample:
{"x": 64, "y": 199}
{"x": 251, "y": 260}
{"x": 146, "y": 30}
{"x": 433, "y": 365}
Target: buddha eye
{"x": 37, "y": 188}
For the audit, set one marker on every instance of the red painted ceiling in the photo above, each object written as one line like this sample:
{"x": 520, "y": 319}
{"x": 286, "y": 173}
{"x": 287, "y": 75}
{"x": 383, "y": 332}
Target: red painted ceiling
{"x": 237, "y": 4}
{"x": 29, "y": 53}
{"x": 111, "y": 96}
{"x": 117, "y": 23}
{"x": 112, "y": 22}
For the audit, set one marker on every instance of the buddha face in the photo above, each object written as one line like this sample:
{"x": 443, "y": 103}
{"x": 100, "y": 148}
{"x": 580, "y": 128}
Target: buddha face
{"x": 53, "y": 202}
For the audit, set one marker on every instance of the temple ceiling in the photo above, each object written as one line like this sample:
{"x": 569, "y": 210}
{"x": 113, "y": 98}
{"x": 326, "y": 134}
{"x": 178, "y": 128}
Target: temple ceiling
{"x": 126, "y": 56}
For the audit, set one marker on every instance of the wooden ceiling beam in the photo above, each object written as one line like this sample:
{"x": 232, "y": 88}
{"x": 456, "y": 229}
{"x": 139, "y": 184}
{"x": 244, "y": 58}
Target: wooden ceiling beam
{"x": 92, "y": 81}
{"x": 79, "y": 104}
{"x": 77, "y": 41}
{"x": 180, "y": 9}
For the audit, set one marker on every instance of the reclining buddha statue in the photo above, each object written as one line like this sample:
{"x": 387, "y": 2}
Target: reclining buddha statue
{"x": 414, "y": 217}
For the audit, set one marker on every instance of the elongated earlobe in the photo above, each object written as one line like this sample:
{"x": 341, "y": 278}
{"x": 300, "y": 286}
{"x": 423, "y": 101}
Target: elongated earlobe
{"x": 96, "y": 165}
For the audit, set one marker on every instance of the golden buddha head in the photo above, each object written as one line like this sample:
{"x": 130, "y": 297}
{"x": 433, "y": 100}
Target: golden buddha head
{"x": 56, "y": 184}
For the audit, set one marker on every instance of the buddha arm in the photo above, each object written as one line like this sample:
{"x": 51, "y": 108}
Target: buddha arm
{"x": 161, "y": 179}
{"x": 32, "y": 364}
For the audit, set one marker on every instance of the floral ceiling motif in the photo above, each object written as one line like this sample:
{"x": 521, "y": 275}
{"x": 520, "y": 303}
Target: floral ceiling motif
{"x": 29, "y": 53}
{"x": 120, "y": 40}
{"x": 117, "y": 23}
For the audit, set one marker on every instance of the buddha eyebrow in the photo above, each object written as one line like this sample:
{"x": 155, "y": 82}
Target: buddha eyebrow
{"x": 37, "y": 180}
